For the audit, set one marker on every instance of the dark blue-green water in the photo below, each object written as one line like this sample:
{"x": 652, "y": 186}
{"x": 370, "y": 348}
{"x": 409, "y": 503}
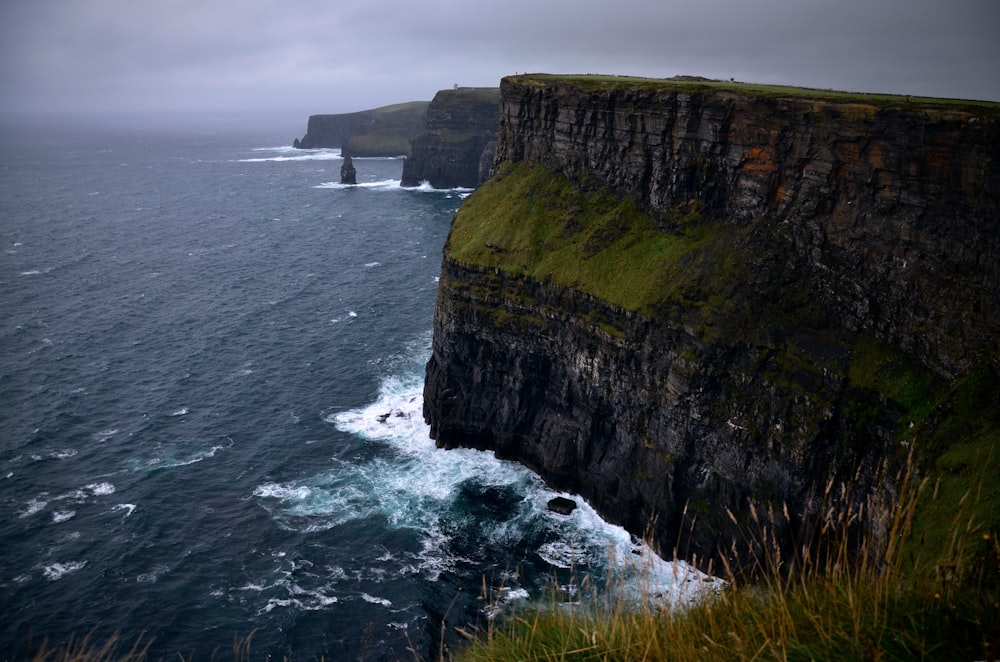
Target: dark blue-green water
{"x": 200, "y": 335}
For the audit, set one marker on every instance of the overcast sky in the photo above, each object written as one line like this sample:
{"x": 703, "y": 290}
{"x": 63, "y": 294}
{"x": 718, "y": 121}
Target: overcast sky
{"x": 316, "y": 56}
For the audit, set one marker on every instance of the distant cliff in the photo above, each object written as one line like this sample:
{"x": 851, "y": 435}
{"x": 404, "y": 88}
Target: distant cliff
{"x": 680, "y": 298}
{"x": 455, "y": 148}
{"x": 384, "y": 131}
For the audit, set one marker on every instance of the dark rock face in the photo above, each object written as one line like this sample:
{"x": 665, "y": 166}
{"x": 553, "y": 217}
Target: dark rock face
{"x": 332, "y": 131}
{"x": 457, "y": 145}
{"x": 562, "y": 505}
{"x": 348, "y": 175}
{"x": 893, "y": 206}
{"x": 379, "y": 132}
{"x": 875, "y": 221}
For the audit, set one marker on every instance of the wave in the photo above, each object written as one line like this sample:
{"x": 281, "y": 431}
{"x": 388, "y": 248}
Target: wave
{"x": 464, "y": 505}
{"x": 172, "y": 462}
{"x": 425, "y": 187}
{"x": 127, "y": 508}
{"x": 78, "y": 496}
{"x": 287, "y": 153}
{"x": 380, "y": 185}
{"x": 395, "y": 185}
{"x": 59, "y": 570}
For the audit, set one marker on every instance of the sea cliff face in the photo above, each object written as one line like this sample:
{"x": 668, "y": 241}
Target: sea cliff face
{"x": 333, "y": 130}
{"x": 456, "y": 146}
{"x": 379, "y": 132}
{"x": 793, "y": 287}
{"x": 896, "y": 207}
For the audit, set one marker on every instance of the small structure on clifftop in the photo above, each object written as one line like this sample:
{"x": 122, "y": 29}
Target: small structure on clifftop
{"x": 348, "y": 175}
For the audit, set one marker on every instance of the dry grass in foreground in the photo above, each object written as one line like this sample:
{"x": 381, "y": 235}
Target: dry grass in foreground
{"x": 902, "y": 604}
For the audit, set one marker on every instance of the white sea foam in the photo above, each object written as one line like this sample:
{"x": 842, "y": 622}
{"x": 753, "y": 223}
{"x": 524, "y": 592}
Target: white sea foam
{"x": 432, "y": 477}
{"x": 35, "y": 505}
{"x": 417, "y": 487}
{"x": 104, "y": 435}
{"x": 283, "y": 492}
{"x": 380, "y": 185}
{"x": 128, "y": 508}
{"x": 60, "y": 570}
{"x": 502, "y": 599}
{"x": 291, "y": 594}
{"x": 180, "y": 412}
{"x": 63, "y": 454}
{"x": 425, "y": 187}
{"x": 376, "y": 601}
{"x": 60, "y": 516}
{"x": 153, "y": 575}
{"x": 293, "y": 154}
{"x": 565, "y": 555}
{"x": 172, "y": 463}
{"x": 100, "y": 489}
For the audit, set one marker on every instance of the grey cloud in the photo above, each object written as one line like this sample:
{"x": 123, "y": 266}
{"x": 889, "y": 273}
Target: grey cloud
{"x": 333, "y": 56}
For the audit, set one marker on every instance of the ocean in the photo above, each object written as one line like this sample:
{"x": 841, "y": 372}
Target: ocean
{"x": 211, "y": 368}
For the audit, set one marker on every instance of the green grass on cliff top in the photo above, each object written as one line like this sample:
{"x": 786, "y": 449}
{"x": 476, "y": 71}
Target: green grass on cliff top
{"x": 690, "y": 84}
{"x": 533, "y": 222}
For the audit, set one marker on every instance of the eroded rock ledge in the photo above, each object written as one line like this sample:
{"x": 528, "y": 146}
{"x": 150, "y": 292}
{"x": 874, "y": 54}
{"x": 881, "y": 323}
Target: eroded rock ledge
{"x": 833, "y": 270}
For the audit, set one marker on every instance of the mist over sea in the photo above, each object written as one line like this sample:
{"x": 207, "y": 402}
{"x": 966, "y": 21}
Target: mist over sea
{"x": 211, "y": 366}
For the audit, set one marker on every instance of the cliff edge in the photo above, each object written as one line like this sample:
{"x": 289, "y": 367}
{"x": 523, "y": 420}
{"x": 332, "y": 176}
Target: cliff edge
{"x": 681, "y": 298}
{"x": 378, "y": 132}
{"x": 456, "y": 146}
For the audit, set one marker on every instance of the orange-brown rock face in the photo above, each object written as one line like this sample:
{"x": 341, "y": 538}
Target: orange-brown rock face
{"x": 853, "y": 242}
{"x": 896, "y": 206}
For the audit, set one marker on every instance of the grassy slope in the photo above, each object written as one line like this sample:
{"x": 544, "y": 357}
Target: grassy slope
{"x": 593, "y": 82}
{"x": 391, "y": 129}
{"x": 533, "y": 222}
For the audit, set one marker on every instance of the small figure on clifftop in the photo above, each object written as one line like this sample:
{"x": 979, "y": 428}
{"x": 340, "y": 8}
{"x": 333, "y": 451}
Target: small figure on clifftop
{"x": 347, "y": 173}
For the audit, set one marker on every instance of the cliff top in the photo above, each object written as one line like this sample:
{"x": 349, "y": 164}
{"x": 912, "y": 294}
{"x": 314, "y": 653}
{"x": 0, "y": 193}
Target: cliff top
{"x": 465, "y": 100}
{"x": 404, "y": 107}
{"x": 696, "y": 84}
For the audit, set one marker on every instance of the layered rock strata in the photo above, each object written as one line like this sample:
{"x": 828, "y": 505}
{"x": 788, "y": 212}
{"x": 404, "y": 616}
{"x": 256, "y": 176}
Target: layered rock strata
{"x": 456, "y": 147}
{"x": 851, "y": 241}
{"x": 379, "y": 132}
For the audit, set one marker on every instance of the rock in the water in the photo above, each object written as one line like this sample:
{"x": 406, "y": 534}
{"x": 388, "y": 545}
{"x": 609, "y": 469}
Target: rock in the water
{"x": 348, "y": 175}
{"x": 562, "y": 505}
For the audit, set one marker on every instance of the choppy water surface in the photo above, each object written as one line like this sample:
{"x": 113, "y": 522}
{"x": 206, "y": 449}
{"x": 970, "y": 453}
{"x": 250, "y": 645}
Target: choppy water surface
{"x": 211, "y": 363}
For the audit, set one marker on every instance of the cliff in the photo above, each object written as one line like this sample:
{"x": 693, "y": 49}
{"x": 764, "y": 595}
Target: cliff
{"x": 383, "y": 131}
{"x": 456, "y": 147}
{"x": 678, "y": 299}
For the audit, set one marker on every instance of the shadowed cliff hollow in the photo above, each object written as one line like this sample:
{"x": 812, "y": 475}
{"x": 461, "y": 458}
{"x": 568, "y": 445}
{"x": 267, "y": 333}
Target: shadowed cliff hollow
{"x": 676, "y": 298}
{"x": 456, "y": 147}
{"x": 381, "y": 131}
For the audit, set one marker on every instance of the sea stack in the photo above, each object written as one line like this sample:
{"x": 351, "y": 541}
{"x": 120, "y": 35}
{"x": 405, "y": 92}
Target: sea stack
{"x": 348, "y": 175}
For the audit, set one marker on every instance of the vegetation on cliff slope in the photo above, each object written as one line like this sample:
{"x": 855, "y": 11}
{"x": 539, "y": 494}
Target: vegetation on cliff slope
{"x": 695, "y": 84}
{"x": 944, "y": 609}
{"x": 390, "y": 130}
{"x": 530, "y": 221}
{"x": 942, "y": 576}
{"x": 931, "y": 588}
